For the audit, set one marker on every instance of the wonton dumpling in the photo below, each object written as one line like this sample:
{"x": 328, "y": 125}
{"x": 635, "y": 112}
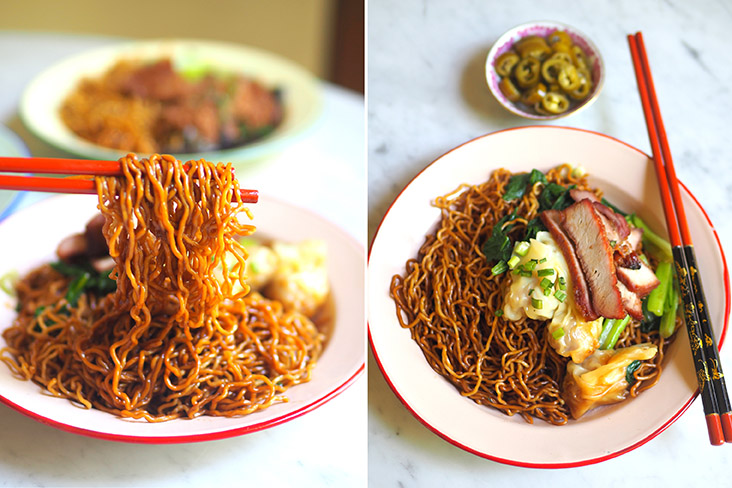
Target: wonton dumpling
{"x": 600, "y": 379}
{"x": 300, "y": 281}
{"x": 580, "y": 338}
{"x": 577, "y": 338}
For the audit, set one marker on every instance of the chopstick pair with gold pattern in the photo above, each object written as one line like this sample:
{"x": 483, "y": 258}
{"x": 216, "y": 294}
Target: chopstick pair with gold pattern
{"x": 705, "y": 353}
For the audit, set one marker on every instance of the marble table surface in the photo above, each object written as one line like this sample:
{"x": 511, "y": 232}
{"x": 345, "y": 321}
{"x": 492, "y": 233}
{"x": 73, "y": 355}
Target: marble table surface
{"x": 426, "y": 95}
{"x": 326, "y": 447}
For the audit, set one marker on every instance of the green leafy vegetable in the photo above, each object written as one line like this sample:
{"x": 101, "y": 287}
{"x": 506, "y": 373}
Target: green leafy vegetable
{"x": 611, "y": 331}
{"x": 518, "y": 184}
{"x": 668, "y": 319}
{"x": 657, "y": 297}
{"x": 498, "y": 246}
{"x": 76, "y": 288}
{"x": 555, "y": 196}
{"x": 533, "y": 227}
{"x": 605, "y": 202}
{"x": 656, "y": 245}
{"x": 85, "y": 279}
{"x": 630, "y": 370}
{"x": 650, "y": 320}
{"x": 552, "y": 196}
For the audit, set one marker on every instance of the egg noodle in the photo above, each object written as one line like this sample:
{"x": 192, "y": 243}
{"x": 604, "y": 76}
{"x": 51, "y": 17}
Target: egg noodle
{"x": 174, "y": 339}
{"x": 451, "y": 303}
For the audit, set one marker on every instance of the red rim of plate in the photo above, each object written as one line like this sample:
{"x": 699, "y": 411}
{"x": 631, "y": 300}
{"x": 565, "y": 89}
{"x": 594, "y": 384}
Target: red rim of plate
{"x": 222, "y": 434}
{"x": 189, "y": 438}
{"x": 598, "y": 459}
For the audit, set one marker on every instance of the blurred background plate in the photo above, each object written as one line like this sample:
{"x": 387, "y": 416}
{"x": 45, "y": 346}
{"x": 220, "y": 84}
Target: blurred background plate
{"x": 301, "y": 94}
{"x": 10, "y": 145}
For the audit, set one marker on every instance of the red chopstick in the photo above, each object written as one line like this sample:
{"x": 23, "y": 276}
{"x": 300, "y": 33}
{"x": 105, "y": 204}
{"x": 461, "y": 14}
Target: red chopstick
{"x": 710, "y": 378}
{"x": 69, "y": 167}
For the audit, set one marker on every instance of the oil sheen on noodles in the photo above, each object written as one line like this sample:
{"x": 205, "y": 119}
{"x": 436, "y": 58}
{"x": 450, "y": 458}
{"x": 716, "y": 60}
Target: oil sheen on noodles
{"x": 175, "y": 339}
{"x": 447, "y": 298}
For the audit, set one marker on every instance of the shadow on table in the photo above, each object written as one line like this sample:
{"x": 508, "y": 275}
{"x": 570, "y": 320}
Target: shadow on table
{"x": 476, "y": 94}
{"x": 393, "y": 430}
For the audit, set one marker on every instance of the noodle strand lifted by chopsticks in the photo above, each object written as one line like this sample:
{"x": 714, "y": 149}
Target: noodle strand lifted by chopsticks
{"x": 175, "y": 339}
{"x": 449, "y": 300}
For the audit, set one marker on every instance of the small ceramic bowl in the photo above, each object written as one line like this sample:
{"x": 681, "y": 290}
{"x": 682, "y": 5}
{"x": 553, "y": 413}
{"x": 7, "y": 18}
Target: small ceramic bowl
{"x": 543, "y": 29}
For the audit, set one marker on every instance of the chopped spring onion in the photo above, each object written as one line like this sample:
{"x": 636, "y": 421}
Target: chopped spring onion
{"x": 530, "y": 265}
{"x": 613, "y": 243}
{"x": 615, "y": 328}
{"x": 525, "y": 273}
{"x": 7, "y": 282}
{"x": 560, "y": 295}
{"x": 578, "y": 172}
{"x": 498, "y": 313}
{"x": 542, "y": 260}
{"x": 538, "y": 304}
{"x": 545, "y": 272}
{"x": 531, "y": 291}
{"x": 546, "y": 284}
{"x": 513, "y": 261}
{"x": 558, "y": 333}
{"x": 499, "y": 268}
{"x": 521, "y": 248}
{"x": 562, "y": 283}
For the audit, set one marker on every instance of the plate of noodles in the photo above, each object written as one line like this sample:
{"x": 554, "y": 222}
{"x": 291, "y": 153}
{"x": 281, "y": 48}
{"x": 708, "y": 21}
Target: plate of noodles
{"x": 503, "y": 357}
{"x": 175, "y": 349}
{"x": 192, "y": 98}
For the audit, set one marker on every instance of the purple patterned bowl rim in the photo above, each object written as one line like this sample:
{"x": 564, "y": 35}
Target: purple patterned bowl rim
{"x": 543, "y": 28}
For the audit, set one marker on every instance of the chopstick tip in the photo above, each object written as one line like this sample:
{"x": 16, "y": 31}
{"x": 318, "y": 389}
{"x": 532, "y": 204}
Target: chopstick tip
{"x": 726, "y": 420}
{"x": 714, "y": 427}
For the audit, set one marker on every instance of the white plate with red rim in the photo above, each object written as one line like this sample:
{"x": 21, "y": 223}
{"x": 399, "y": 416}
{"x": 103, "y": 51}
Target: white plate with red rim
{"x": 37, "y": 230}
{"x": 627, "y": 178}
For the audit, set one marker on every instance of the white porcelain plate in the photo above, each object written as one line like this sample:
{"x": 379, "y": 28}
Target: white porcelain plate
{"x": 41, "y": 100}
{"x": 343, "y": 359}
{"x": 627, "y": 177}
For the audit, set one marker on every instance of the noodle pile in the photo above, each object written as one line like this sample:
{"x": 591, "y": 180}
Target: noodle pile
{"x": 149, "y": 106}
{"x": 449, "y": 300}
{"x": 97, "y": 111}
{"x": 174, "y": 339}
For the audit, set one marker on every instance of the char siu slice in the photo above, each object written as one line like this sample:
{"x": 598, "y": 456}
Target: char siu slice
{"x": 584, "y": 227}
{"x": 552, "y": 220}
{"x": 640, "y": 281}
